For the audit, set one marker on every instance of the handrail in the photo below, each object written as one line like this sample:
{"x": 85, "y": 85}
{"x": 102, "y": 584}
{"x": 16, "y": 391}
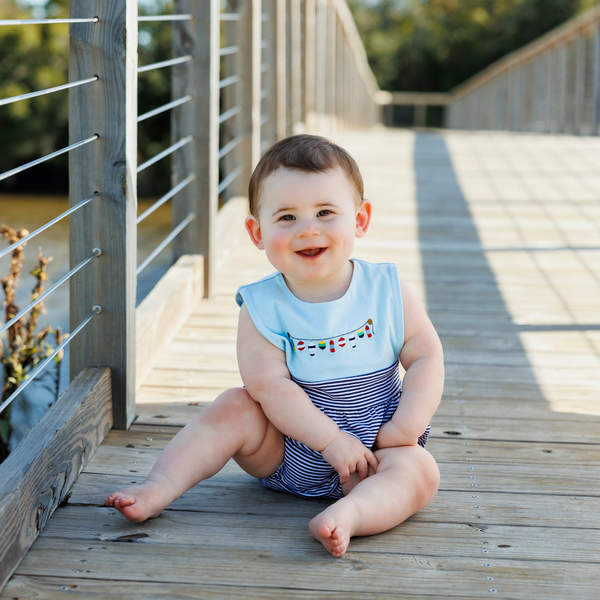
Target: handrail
{"x": 96, "y": 310}
{"x": 30, "y": 236}
{"x": 229, "y": 179}
{"x": 558, "y": 35}
{"x": 166, "y": 242}
{"x": 178, "y": 17}
{"x": 164, "y": 107}
{"x": 38, "y": 161}
{"x": 46, "y": 21}
{"x": 165, "y": 63}
{"x": 182, "y": 142}
{"x": 229, "y": 113}
{"x": 95, "y": 253}
{"x": 551, "y": 85}
{"x": 58, "y": 88}
{"x": 166, "y": 197}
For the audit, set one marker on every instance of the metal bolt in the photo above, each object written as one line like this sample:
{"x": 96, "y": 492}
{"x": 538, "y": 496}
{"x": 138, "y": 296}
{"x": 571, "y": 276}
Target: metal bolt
{"x": 474, "y": 496}
{"x": 470, "y": 468}
{"x": 468, "y": 459}
{"x": 479, "y": 517}
{"x": 490, "y": 578}
{"x": 473, "y": 477}
{"x": 486, "y": 551}
{"x": 477, "y": 507}
{"x": 474, "y": 485}
{"x": 148, "y": 439}
{"x": 493, "y": 591}
{"x": 487, "y": 565}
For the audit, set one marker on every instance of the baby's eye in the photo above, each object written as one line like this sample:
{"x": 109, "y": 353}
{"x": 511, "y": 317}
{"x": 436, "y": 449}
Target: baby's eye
{"x": 287, "y": 218}
{"x": 324, "y": 213}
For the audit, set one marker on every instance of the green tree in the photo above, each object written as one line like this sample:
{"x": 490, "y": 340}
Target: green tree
{"x": 434, "y": 45}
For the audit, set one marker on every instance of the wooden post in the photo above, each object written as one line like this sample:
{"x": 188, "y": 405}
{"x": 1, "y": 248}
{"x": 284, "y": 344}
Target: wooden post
{"x": 596, "y": 83}
{"x": 579, "y": 95}
{"x": 309, "y": 62}
{"x": 251, "y": 80}
{"x": 331, "y": 64}
{"x": 200, "y": 77}
{"x": 231, "y": 97}
{"x": 108, "y": 108}
{"x": 420, "y": 115}
{"x": 280, "y": 47}
{"x": 296, "y": 63}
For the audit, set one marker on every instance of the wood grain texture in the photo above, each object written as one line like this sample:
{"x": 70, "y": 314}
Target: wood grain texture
{"x": 108, "y": 107}
{"x": 38, "y": 474}
{"x": 163, "y": 311}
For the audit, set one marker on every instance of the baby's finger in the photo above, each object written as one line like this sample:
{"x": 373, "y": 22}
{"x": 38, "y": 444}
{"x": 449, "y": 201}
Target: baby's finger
{"x": 372, "y": 460}
{"x": 344, "y": 475}
{"x": 363, "y": 468}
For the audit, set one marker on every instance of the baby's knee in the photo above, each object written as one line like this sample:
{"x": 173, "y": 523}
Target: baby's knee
{"x": 236, "y": 402}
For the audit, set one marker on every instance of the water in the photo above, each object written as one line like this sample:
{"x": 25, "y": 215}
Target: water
{"x": 31, "y": 212}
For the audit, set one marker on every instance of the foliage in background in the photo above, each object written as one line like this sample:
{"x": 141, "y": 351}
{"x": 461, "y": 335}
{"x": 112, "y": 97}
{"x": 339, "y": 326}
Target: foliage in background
{"x": 35, "y": 57}
{"x": 434, "y": 45}
{"x": 24, "y": 348}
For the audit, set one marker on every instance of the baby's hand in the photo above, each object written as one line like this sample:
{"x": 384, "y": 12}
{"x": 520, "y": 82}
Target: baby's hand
{"x": 389, "y": 436}
{"x": 347, "y": 455}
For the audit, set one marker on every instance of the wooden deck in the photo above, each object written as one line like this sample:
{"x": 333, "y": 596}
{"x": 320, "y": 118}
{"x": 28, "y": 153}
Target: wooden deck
{"x": 499, "y": 234}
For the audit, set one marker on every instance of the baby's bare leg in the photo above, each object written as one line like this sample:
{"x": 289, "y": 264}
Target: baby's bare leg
{"x": 233, "y": 426}
{"x": 407, "y": 479}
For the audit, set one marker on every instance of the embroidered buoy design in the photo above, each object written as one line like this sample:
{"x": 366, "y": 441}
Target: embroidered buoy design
{"x": 348, "y": 338}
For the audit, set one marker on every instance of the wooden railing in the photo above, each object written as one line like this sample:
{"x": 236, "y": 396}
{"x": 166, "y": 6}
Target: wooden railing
{"x": 552, "y": 85}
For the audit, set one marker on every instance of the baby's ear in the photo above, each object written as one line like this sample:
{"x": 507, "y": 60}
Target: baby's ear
{"x": 253, "y": 229}
{"x": 363, "y": 218}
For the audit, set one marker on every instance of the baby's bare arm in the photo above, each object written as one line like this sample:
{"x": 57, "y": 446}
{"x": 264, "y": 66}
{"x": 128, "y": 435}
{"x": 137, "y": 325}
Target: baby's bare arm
{"x": 267, "y": 379}
{"x": 423, "y": 383}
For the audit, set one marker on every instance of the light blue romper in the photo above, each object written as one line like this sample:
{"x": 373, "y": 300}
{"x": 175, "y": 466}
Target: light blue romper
{"x": 343, "y": 354}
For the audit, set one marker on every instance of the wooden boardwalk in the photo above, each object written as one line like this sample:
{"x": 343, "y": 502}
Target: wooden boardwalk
{"x": 499, "y": 234}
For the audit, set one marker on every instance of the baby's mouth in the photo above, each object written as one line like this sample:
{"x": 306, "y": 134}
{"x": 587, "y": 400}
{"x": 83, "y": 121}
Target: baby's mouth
{"x": 311, "y": 251}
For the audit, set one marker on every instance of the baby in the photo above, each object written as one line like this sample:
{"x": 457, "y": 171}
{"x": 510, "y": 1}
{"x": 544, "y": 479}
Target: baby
{"x": 319, "y": 343}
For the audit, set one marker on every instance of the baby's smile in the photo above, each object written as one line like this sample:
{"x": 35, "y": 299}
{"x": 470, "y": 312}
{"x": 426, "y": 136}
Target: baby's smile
{"x": 311, "y": 252}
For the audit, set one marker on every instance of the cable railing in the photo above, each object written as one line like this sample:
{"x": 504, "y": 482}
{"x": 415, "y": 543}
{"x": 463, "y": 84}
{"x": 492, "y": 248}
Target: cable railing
{"x": 268, "y": 74}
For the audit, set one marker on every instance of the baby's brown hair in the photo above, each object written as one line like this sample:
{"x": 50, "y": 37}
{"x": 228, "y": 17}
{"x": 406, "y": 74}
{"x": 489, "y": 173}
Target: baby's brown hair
{"x": 309, "y": 153}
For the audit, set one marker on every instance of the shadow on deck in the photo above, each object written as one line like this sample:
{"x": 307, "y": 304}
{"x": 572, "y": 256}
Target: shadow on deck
{"x": 498, "y": 234}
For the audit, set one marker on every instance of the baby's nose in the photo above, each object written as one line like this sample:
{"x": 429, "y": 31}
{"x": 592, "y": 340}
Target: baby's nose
{"x": 308, "y": 227}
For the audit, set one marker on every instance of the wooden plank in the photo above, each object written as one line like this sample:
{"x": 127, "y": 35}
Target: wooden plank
{"x": 37, "y": 475}
{"x": 246, "y": 496}
{"x": 108, "y": 108}
{"x": 164, "y": 310}
{"x": 400, "y": 574}
{"x": 52, "y": 588}
{"x": 265, "y": 532}
{"x": 545, "y": 478}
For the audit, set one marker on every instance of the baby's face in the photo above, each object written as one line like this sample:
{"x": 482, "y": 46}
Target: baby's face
{"x": 307, "y": 224}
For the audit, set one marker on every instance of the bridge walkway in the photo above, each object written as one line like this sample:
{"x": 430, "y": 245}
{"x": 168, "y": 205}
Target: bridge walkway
{"x": 499, "y": 234}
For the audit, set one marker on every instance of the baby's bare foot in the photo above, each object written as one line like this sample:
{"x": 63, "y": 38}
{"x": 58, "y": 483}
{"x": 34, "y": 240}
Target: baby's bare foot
{"x": 334, "y": 528}
{"x": 140, "y": 502}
